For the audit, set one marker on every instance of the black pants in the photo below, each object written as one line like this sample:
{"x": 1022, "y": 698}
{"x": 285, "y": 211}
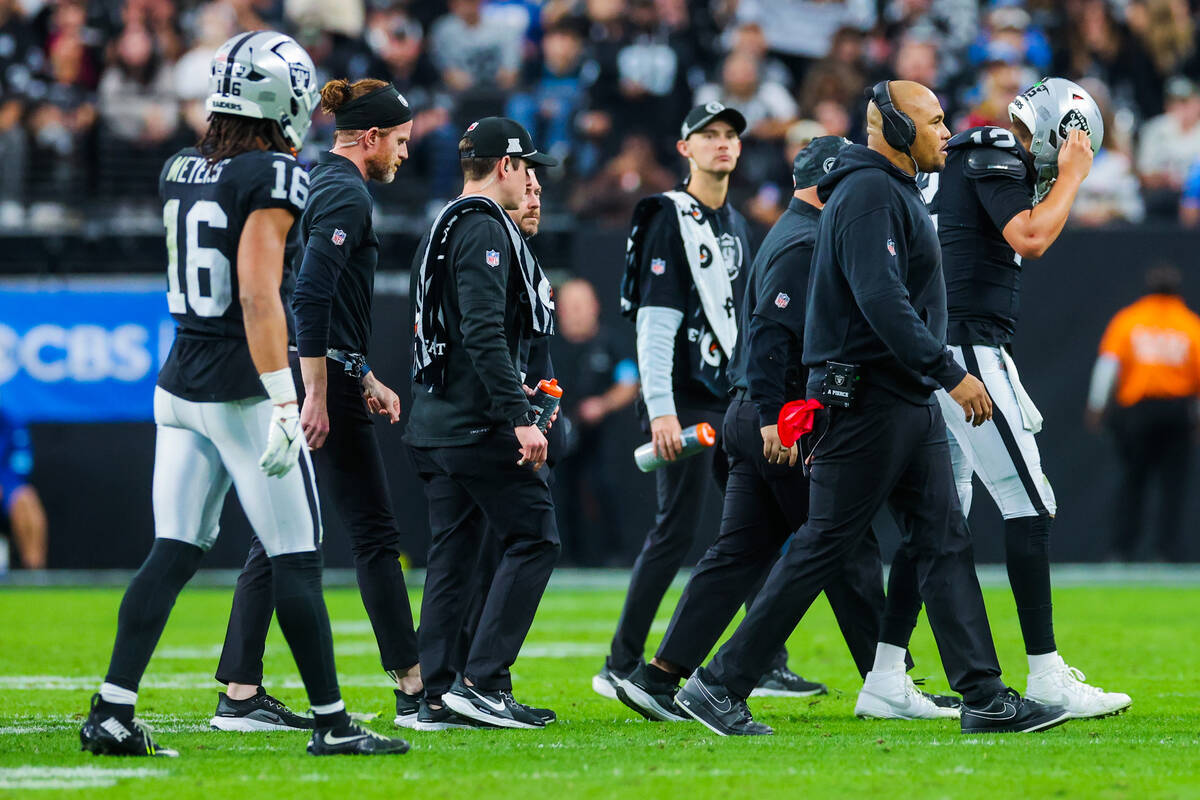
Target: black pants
{"x": 682, "y": 489}
{"x": 883, "y": 449}
{"x": 1154, "y": 443}
{"x": 472, "y": 490}
{"x": 764, "y": 504}
{"x": 351, "y": 478}
{"x": 587, "y": 500}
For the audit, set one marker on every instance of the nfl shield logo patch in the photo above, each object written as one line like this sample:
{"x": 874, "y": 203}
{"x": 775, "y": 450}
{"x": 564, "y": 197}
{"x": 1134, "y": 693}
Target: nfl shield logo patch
{"x": 891, "y": 244}
{"x": 782, "y": 300}
{"x": 339, "y": 237}
{"x": 492, "y": 257}
{"x": 658, "y": 266}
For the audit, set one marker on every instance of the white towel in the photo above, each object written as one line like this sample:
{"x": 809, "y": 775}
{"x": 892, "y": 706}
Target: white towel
{"x": 1031, "y": 418}
{"x": 711, "y": 278}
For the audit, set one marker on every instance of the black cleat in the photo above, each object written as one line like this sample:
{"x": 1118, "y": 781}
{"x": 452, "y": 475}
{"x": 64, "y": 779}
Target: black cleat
{"x": 259, "y": 713}
{"x": 116, "y": 733}
{"x": 441, "y": 719}
{"x": 939, "y": 700}
{"x": 1008, "y": 712}
{"x": 407, "y": 708}
{"x": 653, "y": 699}
{"x": 497, "y": 708}
{"x": 354, "y": 740}
{"x": 783, "y": 682}
{"x": 713, "y": 706}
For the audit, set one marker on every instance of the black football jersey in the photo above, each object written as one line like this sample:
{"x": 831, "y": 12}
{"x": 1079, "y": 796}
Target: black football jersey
{"x": 205, "y": 207}
{"x": 988, "y": 180}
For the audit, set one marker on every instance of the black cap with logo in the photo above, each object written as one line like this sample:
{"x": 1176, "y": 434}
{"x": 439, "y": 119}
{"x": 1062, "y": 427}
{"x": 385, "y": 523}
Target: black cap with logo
{"x": 700, "y": 116}
{"x": 496, "y": 137}
{"x": 816, "y": 159}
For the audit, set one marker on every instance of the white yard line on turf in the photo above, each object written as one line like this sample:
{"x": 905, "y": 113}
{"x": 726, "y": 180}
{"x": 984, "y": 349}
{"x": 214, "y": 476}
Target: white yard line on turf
{"x": 31, "y": 777}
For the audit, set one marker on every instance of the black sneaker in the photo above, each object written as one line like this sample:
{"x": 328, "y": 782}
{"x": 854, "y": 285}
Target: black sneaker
{"x": 547, "y": 716}
{"x": 783, "y": 682}
{"x": 407, "y": 708}
{"x": 497, "y": 709}
{"x": 653, "y": 699}
{"x": 441, "y": 719}
{"x": 1008, "y": 712}
{"x": 713, "y": 706}
{"x": 259, "y": 713}
{"x": 604, "y": 682}
{"x": 939, "y": 700}
{"x": 115, "y": 733}
{"x": 353, "y": 740}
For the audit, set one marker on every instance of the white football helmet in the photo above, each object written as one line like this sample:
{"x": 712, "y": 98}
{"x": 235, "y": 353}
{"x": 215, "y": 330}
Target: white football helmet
{"x": 265, "y": 75}
{"x": 1051, "y": 109}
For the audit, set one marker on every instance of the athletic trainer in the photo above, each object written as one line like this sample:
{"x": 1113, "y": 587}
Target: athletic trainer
{"x": 225, "y": 404}
{"x": 1004, "y": 197}
{"x": 338, "y": 393}
{"x": 873, "y": 343}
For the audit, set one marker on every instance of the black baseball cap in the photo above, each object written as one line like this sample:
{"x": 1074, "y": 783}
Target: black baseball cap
{"x": 496, "y": 137}
{"x": 816, "y": 159}
{"x": 700, "y": 116}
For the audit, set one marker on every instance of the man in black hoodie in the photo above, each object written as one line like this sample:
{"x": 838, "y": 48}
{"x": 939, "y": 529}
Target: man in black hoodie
{"x": 874, "y": 344}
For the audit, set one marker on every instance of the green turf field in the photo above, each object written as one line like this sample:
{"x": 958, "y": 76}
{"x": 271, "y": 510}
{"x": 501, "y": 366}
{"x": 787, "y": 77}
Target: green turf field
{"x": 1141, "y": 640}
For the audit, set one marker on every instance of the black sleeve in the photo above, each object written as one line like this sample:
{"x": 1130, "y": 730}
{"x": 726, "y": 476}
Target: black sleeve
{"x": 875, "y": 279}
{"x": 333, "y": 231}
{"x": 782, "y": 288}
{"x": 1003, "y": 198}
{"x": 665, "y": 275}
{"x": 482, "y": 295}
{"x": 771, "y": 345}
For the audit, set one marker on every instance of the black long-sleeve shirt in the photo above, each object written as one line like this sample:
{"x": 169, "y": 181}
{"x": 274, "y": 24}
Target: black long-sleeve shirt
{"x": 336, "y": 281}
{"x": 877, "y": 296}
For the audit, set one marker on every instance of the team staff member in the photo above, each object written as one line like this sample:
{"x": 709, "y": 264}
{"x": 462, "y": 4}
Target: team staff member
{"x": 766, "y": 497}
{"x": 338, "y": 393}
{"x": 1149, "y": 365}
{"x": 686, "y": 315}
{"x": 19, "y": 501}
{"x": 875, "y": 318}
{"x": 993, "y": 212}
{"x": 477, "y": 298}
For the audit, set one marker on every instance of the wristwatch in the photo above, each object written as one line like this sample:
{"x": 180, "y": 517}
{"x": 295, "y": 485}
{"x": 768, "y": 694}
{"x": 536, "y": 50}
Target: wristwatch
{"x": 530, "y": 417}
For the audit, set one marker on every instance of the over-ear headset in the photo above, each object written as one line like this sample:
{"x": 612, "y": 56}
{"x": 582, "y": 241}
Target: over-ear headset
{"x": 898, "y": 128}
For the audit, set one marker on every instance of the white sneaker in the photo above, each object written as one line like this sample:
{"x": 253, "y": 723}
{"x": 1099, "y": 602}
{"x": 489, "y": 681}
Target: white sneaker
{"x": 893, "y": 695}
{"x": 1063, "y": 685}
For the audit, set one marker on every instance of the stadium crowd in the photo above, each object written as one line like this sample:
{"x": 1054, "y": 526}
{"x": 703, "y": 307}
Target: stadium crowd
{"x": 97, "y": 92}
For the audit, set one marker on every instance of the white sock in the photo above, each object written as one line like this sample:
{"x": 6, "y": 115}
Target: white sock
{"x": 888, "y": 658}
{"x": 111, "y": 693}
{"x": 1045, "y": 661}
{"x": 330, "y": 708}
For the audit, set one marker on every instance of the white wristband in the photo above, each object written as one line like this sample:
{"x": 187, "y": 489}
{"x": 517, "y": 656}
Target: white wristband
{"x": 279, "y": 386}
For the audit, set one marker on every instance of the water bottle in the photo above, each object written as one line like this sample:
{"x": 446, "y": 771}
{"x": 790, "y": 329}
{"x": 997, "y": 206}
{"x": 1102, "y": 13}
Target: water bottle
{"x": 696, "y": 439}
{"x": 544, "y": 401}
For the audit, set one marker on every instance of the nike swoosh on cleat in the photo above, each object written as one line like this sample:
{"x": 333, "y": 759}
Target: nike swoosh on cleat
{"x": 497, "y": 706}
{"x": 332, "y": 740}
{"x": 1009, "y": 712}
{"x": 724, "y": 709}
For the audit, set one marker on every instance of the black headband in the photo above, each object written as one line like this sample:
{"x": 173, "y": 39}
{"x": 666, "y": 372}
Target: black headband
{"x": 383, "y": 108}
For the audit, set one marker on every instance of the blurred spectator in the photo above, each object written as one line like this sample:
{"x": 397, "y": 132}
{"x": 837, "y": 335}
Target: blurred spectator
{"x": 631, "y": 175}
{"x": 917, "y": 60}
{"x": 1002, "y": 78}
{"x": 137, "y": 92}
{"x": 1111, "y": 192}
{"x": 835, "y": 120}
{"x": 1149, "y": 365}
{"x": 768, "y": 107}
{"x": 802, "y": 31}
{"x": 1168, "y": 146}
{"x": 1165, "y": 28}
{"x": 472, "y": 55}
{"x": 19, "y": 501}
{"x": 215, "y": 22}
{"x": 1099, "y": 46}
{"x": 555, "y": 90}
{"x": 799, "y": 134}
{"x": 599, "y": 377}
{"x": 20, "y": 60}
{"x": 341, "y": 17}
{"x": 749, "y": 38}
{"x": 1007, "y": 22}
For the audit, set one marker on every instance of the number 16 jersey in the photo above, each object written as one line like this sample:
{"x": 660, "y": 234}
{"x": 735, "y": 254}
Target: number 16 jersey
{"x": 205, "y": 207}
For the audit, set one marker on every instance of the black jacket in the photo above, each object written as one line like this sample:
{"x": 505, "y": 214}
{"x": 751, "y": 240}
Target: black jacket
{"x": 485, "y": 328}
{"x": 877, "y": 297}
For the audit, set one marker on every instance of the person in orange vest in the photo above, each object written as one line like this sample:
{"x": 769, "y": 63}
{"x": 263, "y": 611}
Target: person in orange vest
{"x": 1146, "y": 384}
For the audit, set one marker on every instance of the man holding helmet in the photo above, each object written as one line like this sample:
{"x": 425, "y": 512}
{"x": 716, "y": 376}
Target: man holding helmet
{"x": 1004, "y": 196}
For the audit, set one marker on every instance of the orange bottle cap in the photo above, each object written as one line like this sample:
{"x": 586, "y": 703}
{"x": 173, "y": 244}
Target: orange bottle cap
{"x": 706, "y": 435}
{"x": 551, "y": 387}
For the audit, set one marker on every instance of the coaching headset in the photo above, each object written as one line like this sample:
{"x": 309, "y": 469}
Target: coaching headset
{"x": 898, "y": 128}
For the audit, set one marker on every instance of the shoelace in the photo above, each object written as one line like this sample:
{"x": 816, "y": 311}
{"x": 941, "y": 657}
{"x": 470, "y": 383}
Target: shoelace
{"x": 744, "y": 714}
{"x": 1071, "y": 675}
{"x": 368, "y": 732}
{"x": 144, "y": 730}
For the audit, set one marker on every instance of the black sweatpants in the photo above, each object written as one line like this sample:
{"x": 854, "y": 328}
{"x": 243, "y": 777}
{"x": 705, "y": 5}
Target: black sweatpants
{"x": 473, "y": 490}
{"x": 884, "y": 449}
{"x": 764, "y": 504}
{"x": 1154, "y": 443}
{"x": 351, "y": 478}
{"x": 681, "y": 488}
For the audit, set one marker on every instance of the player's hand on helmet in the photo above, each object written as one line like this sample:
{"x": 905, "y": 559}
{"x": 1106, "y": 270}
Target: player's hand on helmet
{"x": 972, "y": 395}
{"x": 284, "y": 439}
{"x": 1075, "y": 157}
{"x": 774, "y": 451}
